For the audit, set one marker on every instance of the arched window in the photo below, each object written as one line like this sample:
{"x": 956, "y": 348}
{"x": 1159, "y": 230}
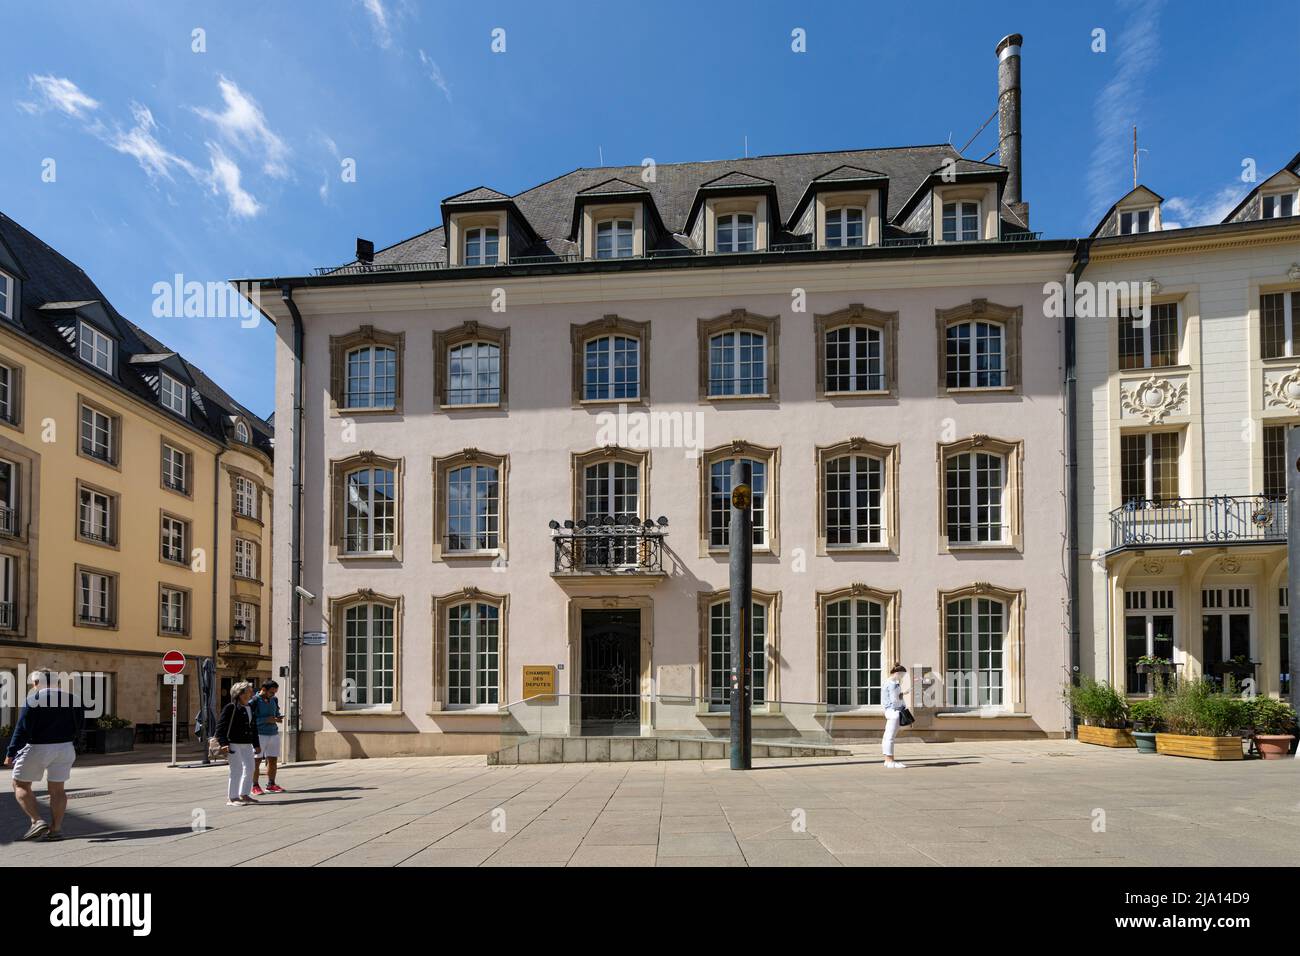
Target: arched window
{"x": 474, "y": 374}
{"x": 719, "y": 664}
{"x": 614, "y": 239}
{"x": 611, "y": 368}
{"x": 371, "y": 378}
{"x": 241, "y": 432}
{"x": 369, "y": 655}
{"x": 976, "y": 355}
{"x": 473, "y": 654}
{"x": 975, "y": 485}
{"x": 855, "y": 359}
{"x": 855, "y": 501}
{"x": 473, "y": 509}
{"x": 855, "y": 643}
{"x": 720, "y": 501}
{"x": 370, "y": 511}
{"x": 738, "y": 363}
{"x": 845, "y": 227}
{"x": 611, "y": 493}
{"x": 975, "y": 631}
{"x": 735, "y": 232}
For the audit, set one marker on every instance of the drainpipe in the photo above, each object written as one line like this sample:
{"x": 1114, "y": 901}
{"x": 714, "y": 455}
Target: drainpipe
{"x": 216, "y": 578}
{"x": 1081, "y": 257}
{"x": 295, "y": 531}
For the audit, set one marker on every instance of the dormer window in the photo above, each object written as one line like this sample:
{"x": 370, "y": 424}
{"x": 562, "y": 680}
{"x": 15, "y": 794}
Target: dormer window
{"x": 173, "y": 394}
{"x": 1278, "y": 206}
{"x": 481, "y": 247}
{"x": 961, "y": 221}
{"x": 94, "y": 347}
{"x": 241, "y": 432}
{"x": 1134, "y": 221}
{"x": 6, "y": 296}
{"x": 845, "y": 227}
{"x": 735, "y": 233}
{"x": 614, "y": 239}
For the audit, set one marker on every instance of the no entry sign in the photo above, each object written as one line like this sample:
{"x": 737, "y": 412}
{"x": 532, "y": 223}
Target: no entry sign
{"x": 173, "y": 662}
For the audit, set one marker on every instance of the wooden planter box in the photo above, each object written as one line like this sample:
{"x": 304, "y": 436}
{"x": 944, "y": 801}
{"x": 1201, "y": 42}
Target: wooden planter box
{"x": 1105, "y": 736}
{"x": 1207, "y": 748}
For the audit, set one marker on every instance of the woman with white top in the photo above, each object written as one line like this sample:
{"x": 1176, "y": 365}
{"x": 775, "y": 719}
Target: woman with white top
{"x": 894, "y": 705}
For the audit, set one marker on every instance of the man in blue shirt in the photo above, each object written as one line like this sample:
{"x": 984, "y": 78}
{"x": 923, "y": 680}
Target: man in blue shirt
{"x": 266, "y": 712}
{"x": 42, "y": 747}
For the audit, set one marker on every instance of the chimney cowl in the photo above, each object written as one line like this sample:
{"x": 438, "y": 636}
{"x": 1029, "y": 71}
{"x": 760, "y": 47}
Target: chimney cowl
{"x": 1011, "y": 40}
{"x": 365, "y": 250}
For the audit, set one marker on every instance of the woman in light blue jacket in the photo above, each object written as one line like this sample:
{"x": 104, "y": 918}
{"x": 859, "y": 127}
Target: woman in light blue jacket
{"x": 894, "y": 705}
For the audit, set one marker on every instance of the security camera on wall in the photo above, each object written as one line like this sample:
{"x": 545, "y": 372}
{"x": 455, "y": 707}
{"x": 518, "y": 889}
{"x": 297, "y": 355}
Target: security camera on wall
{"x": 303, "y": 593}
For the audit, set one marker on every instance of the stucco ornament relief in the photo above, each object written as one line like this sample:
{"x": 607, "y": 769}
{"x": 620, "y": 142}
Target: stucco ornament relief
{"x": 1284, "y": 391}
{"x": 1153, "y": 398}
{"x": 1153, "y": 566}
{"x": 1229, "y": 565}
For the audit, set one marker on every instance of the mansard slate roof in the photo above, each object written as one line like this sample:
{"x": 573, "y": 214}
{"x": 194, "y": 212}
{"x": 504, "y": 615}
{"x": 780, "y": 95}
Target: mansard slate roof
{"x": 549, "y": 207}
{"x": 54, "y": 291}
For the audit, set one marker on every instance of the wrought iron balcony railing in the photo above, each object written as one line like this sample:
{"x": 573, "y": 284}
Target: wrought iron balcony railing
{"x": 609, "y": 545}
{"x": 8, "y": 615}
{"x": 1215, "y": 520}
{"x": 8, "y": 520}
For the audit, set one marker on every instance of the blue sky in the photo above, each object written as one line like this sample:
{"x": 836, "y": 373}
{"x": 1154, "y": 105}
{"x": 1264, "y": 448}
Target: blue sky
{"x": 228, "y": 163}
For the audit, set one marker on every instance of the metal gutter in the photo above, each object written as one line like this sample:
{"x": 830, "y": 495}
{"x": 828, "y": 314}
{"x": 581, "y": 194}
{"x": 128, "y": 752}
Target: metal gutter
{"x": 1071, "y": 384}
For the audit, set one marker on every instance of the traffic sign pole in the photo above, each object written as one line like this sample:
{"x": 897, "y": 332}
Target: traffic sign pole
{"x": 173, "y": 763}
{"x": 173, "y": 664}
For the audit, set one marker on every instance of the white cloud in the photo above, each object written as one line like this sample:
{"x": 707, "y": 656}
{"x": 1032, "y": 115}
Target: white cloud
{"x": 1202, "y": 210}
{"x": 58, "y": 93}
{"x": 225, "y": 179}
{"x": 243, "y": 125}
{"x": 435, "y": 74}
{"x": 141, "y": 143}
{"x": 1136, "y": 49}
{"x": 379, "y": 22}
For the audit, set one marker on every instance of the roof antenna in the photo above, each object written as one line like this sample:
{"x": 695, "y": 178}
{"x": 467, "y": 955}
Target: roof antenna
{"x": 600, "y": 153}
{"x": 747, "y": 146}
{"x": 1135, "y": 156}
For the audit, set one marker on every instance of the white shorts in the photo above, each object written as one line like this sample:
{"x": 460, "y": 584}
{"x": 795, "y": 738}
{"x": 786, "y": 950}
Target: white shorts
{"x": 270, "y": 746}
{"x": 35, "y": 761}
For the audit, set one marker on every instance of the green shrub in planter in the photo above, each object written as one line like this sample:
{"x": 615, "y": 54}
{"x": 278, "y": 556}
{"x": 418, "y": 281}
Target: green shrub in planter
{"x": 112, "y": 722}
{"x": 1199, "y": 709}
{"x": 1096, "y": 703}
{"x": 1269, "y": 715}
{"x": 1147, "y": 714}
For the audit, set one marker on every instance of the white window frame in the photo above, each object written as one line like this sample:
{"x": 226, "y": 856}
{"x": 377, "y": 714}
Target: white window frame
{"x": 859, "y": 638}
{"x": 369, "y": 358}
{"x": 1289, "y": 327}
{"x": 1135, "y": 220}
{"x": 477, "y": 650}
{"x": 7, "y": 378}
{"x": 95, "y": 513}
{"x": 760, "y": 483}
{"x": 246, "y": 614}
{"x": 476, "y": 373}
{"x": 735, "y": 365}
{"x": 957, "y": 694}
{"x": 8, "y": 600}
{"x": 734, "y": 221}
{"x": 173, "y": 529}
{"x": 616, "y": 345}
{"x": 175, "y": 466}
{"x": 241, "y": 432}
{"x": 960, "y": 207}
{"x": 839, "y": 217}
{"x": 373, "y": 529}
{"x": 245, "y": 555}
{"x": 482, "y": 236}
{"x": 9, "y": 501}
{"x": 621, "y": 233}
{"x": 858, "y": 384}
{"x": 6, "y": 295}
{"x": 861, "y": 533}
{"x": 600, "y": 481}
{"x": 247, "y": 498}
{"x": 171, "y": 610}
{"x": 95, "y": 591}
{"x": 173, "y": 394}
{"x": 368, "y": 654}
{"x": 486, "y": 534}
{"x": 969, "y": 514}
{"x": 969, "y": 379}
{"x": 1277, "y": 198}
{"x": 97, "y": 427}
{"x": 719, "y": 663}
{"x": 94, "y": 347}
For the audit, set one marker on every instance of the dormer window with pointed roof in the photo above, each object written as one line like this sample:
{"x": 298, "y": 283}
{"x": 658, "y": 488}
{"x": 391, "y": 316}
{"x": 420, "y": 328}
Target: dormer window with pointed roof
{"x": 736, "y": 212}
{"x": 483, "y": 227}
{"x": 94, "y": 347}
{"x": 1137, "y": 212}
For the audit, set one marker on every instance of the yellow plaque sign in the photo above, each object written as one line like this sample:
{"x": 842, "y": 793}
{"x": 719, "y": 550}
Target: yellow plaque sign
{"x": 539, "y": 681}
{"x": 740, "y": 497}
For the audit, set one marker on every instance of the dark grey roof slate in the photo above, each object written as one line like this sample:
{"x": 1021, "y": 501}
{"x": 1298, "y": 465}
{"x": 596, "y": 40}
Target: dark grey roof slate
{"x": 479, "y": 194}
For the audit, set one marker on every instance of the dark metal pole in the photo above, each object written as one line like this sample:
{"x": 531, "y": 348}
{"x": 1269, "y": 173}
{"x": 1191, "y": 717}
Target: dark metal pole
{"x": 1293, "y": 556}
{"x": 742, "y": 627}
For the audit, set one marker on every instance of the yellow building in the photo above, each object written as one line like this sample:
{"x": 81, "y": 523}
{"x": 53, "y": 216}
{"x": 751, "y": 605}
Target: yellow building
{"x": 135, "y": 500}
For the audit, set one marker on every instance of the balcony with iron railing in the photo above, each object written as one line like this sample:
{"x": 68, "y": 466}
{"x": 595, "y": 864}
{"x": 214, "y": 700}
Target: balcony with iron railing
{"x": 1218, "y": 520}
{"x": 8, "y": 520}
{"x": 8, "y": 615}
{"x": 621, "y": 544}
{"x": 671, "y": 252}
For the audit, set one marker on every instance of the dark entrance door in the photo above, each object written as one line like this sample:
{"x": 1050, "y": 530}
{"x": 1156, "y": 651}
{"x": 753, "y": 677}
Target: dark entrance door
{"x": 611, "y": 673}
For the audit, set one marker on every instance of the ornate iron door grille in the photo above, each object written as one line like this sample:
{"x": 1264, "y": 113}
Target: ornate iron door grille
{"x": 611, "y": 673}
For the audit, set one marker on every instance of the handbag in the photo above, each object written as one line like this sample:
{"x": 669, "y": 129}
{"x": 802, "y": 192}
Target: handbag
{"x": 905, "y": 717}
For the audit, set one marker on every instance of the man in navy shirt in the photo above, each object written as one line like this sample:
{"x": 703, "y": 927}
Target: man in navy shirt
{"x": 42, "y": 747}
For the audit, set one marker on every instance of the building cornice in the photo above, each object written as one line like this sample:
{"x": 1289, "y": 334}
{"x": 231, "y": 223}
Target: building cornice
{"x": 1253, "y": 234}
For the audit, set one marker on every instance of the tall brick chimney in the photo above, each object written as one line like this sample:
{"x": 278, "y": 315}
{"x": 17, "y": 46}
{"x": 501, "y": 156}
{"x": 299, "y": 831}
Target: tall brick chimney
{"x": 1008, "y": 53}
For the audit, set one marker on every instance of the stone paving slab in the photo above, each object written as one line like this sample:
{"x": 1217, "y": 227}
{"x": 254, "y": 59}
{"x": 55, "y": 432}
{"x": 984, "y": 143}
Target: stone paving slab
{"x": 1041, "y": 803}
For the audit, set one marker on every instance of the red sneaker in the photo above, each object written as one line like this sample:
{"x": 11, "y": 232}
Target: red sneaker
{"x": 257, "y": 791}
{"x": 273, "y": 788}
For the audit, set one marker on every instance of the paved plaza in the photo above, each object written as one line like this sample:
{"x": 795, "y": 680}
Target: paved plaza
{"x": 1052, "y": 803}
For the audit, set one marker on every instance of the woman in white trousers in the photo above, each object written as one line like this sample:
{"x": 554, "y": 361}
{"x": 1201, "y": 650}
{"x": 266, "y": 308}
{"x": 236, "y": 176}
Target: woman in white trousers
{"x": 894, "y": 705}
{"x": 237, "y": 735}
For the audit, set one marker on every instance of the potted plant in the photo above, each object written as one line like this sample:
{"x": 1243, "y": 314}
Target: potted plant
{"x": 1102, "y": 711}
{"x": 1202, "y": 721}
{"x": 1151, "y": 664}
{"x": 1147, "y": 715}
{"x": 1274, "y": 723}
{"x": 110, "y": 735}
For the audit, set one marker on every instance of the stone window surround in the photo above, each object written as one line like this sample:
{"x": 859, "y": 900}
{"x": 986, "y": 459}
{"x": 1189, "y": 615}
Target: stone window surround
{"x": 28, "y": 490}
{"x": 610, "y": 325}
{"x": 263, "y": 496}
{"x": 17, "y": 382}
{"x": 771, "y": 601}
{"x": 340, "y": 346}
{"x": 1013, "y": 650}
{"x": 891, "y": 645}
{"x": 257, "y": 554}
{"x": 335, "y": 610}
{"x": 256, "y": 604}
{"x": 24, "y": 587}
{"x": 742, "y": 449}
{"x": 114, "y": 460}
{"x": 1273, "y": 285}
{"x": 858, "y": 315}
{"x": 868, "y": 200}
{"x": 981, "y": 310}
{"x": 186, "y": 544}
{"x": 115, "y": 597}
{"x": 441, "y": 605}
{"x": 339, "y": 469}
{"x": 442, "y": 467}
{"x": 188, "y": 492}
{"x": 186, "y": 631}
{"x": 114, "y": 542}
{"x": 1013, "y": 454}
{"x": 1188, "y": 333}
{"x": 580, "y": 461}
{"x": 741, "y": 320}
{"x": 444, "y": 341}
{"x": 889, "y": 456}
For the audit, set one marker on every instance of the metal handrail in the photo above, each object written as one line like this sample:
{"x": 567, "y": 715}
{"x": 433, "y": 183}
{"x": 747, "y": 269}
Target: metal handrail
{"x": 609, "y": 547}
{"x": 1213, "y": 519}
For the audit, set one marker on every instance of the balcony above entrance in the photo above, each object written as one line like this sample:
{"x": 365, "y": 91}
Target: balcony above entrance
{"x": 1221, "y": 519}
{"x": 621, "y": 546}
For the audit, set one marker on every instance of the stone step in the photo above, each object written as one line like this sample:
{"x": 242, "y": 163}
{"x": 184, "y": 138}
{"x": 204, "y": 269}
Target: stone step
{"x": 613, "y": 749}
